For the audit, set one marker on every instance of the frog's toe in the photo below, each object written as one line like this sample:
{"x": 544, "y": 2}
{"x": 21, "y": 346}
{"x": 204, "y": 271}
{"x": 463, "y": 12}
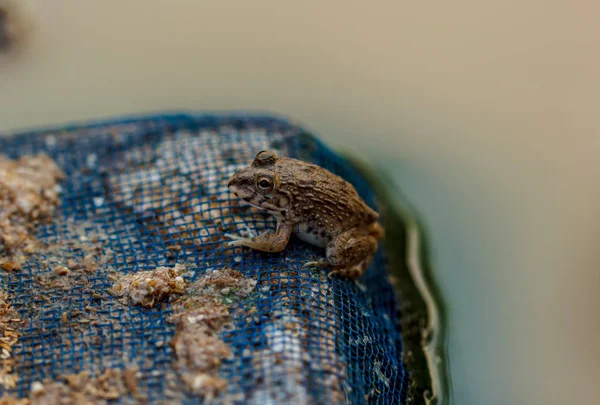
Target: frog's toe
{"x": 343, "y": 273}
{"x": 236, "y": 240}
{"x": 250, "y": 231}
{"x": 333, "y": 273}
{"x": 318, "y": 263}
{"x": 352, "y": 272}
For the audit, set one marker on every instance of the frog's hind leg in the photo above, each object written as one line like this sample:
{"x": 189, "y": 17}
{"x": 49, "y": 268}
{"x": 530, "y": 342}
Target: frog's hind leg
{"x": 350, "y": 253}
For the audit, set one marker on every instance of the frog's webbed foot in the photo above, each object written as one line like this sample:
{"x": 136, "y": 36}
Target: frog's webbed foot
{"x": 267, "y": 242}
{"x": 352, "y": 272}
{"x": 237, "y": 240}
{"x": 335, "y": 270}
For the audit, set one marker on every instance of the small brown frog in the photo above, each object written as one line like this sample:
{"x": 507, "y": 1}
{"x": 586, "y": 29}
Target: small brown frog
{"x": 319, "y": 207}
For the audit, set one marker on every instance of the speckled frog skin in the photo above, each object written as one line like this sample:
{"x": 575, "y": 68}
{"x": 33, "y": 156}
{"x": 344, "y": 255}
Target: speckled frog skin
{"x": 319, "y": 207}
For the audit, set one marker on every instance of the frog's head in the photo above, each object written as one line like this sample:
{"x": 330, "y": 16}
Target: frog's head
{"x": 259, "y": 184}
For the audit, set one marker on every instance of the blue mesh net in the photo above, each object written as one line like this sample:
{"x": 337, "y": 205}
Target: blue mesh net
{"x": 151, "y": 192}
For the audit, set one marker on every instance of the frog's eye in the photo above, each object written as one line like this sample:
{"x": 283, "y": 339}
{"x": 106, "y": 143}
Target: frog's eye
{"x": 264, "y": 184}
{"x": 265, "y": 158}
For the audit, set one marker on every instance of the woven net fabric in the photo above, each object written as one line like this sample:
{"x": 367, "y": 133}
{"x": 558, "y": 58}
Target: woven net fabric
{"x": 152, "y": 191}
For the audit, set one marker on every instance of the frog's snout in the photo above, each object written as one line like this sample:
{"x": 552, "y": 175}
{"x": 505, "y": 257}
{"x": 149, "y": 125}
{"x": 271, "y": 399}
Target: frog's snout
{"x": 231, "y": 180}
{"x": 232, "y": 184}
{"x": 240, "y": 184}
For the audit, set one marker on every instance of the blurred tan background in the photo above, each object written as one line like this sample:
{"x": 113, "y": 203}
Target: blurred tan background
{"x": 487, "y": 113}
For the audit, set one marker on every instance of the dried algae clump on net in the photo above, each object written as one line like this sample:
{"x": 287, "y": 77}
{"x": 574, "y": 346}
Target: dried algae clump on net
{"x": 82, "y": 388}
{"x": 202, "y": 315}
{"x": 29, "y": 194}
{"x": 148, "y": 288}
{"x": 9, "y": 400}
{"x": 202, "y": 312}
{"x": 9, "y": 335}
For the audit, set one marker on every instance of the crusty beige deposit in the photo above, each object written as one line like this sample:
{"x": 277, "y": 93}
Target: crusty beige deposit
{"x": 29, "y": 194}
{"x": 148, "y": 288}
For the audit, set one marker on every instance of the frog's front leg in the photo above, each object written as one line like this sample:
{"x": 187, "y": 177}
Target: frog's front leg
{"x": 266, "y": 242}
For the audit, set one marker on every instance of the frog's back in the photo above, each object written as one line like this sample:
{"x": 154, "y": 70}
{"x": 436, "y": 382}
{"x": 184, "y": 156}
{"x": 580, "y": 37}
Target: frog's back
{"x": 322, "y": 201}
